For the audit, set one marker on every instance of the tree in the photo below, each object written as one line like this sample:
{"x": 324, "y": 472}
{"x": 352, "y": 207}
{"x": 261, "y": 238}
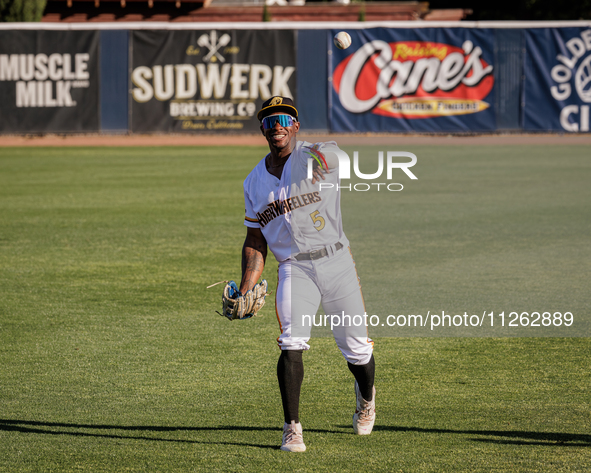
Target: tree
{"x": 21, "y": 10}
{"x": 266, "y": 13}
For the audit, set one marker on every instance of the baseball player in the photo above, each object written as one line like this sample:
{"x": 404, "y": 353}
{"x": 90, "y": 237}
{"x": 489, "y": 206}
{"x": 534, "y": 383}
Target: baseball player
{"x": 301, "y": 223}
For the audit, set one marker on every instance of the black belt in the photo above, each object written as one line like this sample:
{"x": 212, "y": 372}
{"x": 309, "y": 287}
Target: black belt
{"x": 316, "y": 254}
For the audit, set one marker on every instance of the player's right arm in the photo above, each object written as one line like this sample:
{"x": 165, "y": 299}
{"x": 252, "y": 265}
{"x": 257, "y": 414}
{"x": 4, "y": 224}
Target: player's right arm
{"x": 254, "y": 255}
{"x": 331, "y": 152}
{"x": 326, "y": 159}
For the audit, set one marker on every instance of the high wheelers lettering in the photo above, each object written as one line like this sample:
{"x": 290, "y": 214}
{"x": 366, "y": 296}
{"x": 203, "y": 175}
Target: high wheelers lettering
{"x": 280, "y": 207}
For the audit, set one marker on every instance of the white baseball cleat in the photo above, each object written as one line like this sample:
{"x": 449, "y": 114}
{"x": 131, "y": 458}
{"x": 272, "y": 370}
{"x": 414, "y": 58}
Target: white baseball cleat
{"x": 365, "y": 414}
{"x": 293, "y": 438}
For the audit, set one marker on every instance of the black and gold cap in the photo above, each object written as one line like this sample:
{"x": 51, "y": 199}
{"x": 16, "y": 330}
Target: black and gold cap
{"x": 277, "y": 104}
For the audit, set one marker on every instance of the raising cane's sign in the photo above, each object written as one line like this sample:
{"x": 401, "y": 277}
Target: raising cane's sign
{"x": 414, "y": 80}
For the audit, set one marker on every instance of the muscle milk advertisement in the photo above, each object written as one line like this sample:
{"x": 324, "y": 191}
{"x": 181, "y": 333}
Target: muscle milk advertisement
{"x": 49, "y": 81}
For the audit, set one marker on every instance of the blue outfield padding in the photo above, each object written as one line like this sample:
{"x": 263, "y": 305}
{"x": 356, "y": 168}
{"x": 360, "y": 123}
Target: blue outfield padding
{"x": 114, "y": 80}
{"x": 508, "y": 73}
{"x": 395, "y": 77}
{"x": 312, "y": 79}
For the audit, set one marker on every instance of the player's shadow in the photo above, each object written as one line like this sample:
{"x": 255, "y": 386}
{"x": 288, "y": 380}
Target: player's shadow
{"x": 508, "y": 437}
{"x": 91, "y": 430}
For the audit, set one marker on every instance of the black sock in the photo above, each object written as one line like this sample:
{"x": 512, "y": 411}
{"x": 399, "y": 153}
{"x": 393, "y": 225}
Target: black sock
{"x": 364, "y": 375}
{"x": 290, "y": 374}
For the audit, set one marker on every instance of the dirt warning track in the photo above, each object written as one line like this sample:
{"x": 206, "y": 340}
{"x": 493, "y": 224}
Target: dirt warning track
{"x": 259, "y": 140}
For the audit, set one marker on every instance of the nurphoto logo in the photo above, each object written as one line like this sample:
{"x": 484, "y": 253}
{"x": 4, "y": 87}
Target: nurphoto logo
{"x": 392, "y": 163}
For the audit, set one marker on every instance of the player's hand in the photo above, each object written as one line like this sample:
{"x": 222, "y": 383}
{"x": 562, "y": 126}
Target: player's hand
{"x": 318, "y": 171}
{"x": 317, "y": 174}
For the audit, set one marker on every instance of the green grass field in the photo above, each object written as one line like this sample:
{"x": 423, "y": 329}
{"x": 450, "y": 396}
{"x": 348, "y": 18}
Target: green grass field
{"x": 112, "y": 357}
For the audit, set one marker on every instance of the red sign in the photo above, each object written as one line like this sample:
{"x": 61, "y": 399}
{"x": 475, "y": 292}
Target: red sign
{"x": 414, "y": 79}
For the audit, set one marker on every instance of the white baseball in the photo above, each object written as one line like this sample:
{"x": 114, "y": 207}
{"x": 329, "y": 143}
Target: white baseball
{"x": 342, "y": 40}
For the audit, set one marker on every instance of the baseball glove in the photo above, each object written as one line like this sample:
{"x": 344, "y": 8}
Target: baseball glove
{"x": 239, "y": 306}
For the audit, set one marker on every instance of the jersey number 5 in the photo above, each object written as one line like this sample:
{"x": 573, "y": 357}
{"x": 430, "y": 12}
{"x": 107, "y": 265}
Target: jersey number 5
{"x": 317, "y": 219}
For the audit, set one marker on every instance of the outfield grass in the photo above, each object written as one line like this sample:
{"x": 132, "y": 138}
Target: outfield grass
{"x": 113, "y": 359}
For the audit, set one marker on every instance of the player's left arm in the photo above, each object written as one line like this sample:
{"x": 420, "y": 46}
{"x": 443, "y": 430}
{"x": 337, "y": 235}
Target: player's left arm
{"x": 254, "y": 255}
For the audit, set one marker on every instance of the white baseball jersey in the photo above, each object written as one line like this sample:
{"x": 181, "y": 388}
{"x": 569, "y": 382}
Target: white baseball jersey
{"x": 294, "y": 215}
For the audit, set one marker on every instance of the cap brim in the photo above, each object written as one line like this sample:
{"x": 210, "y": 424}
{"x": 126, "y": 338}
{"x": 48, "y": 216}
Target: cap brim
{"x": 271, "y": 109}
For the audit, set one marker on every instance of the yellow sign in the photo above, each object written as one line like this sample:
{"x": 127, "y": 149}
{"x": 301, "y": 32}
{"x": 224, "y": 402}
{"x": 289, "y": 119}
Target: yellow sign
{"x": 431, "y": 107}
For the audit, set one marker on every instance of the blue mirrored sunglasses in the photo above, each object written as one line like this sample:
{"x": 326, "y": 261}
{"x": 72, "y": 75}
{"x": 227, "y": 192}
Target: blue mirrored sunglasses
{"x": 284, "y": 121}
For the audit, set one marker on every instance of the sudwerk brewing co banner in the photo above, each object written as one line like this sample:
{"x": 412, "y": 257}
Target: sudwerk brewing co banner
{"x": 49, "y": 81}
{"x": 424, "y": 79}
{"x": 557, "y": 90}
{"x": 208, "y": 81}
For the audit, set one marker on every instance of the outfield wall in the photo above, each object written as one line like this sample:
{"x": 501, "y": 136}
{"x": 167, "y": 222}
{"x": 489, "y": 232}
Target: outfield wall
{"x": 444, "y": 77}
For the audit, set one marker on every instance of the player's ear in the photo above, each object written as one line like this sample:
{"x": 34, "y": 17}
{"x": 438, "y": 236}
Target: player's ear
{"x": 262, "y": 130}
{"x": 297, "y": 126}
